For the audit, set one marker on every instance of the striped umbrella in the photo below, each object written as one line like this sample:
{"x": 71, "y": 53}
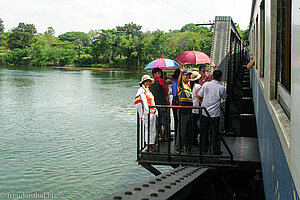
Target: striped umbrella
{"x": 162, "y": 64}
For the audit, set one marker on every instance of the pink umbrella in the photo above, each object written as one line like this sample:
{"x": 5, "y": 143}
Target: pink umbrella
{"x": 194, "y": 57}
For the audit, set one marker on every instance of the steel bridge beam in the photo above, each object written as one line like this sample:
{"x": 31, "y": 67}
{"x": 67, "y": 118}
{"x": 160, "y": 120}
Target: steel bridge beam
{"x": 174, "y": 184}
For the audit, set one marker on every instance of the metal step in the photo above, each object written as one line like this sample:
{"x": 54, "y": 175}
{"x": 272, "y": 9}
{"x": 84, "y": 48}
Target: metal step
{"x": 247, "y": 91}
{"x": 244, "y": 124}
{"x": 246, "y": 83}
{"x": 248, "y": 125}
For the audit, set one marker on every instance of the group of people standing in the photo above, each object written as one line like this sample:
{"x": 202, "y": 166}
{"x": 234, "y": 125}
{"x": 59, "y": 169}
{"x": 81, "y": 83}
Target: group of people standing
{"x": 196, "y": 88}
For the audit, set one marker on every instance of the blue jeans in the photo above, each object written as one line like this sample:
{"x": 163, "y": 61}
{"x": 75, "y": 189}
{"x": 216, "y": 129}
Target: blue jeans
{"x": 215, "y": 123}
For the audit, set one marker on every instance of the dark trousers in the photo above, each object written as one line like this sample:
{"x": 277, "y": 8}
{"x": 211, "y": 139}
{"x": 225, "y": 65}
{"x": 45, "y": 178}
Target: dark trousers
{"x": 162, "y": 119}
{"x": 195, "y": 131}
{"x": 183, "y": 136}
{"x": 215, "y": 123}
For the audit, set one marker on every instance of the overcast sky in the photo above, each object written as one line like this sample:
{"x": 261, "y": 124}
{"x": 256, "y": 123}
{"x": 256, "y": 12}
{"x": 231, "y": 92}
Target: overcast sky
{"x": 84, "y": 15}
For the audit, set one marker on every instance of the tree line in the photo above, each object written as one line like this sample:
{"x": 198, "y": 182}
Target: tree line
{"x": 123, "y": 46}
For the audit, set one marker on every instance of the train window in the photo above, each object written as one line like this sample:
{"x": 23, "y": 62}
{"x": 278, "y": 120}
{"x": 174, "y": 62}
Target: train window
{"x": 283, "y": 54}
{"x": 256, "y": 41}
{"x": 253, "y": 42}
{"x": 283, "y": 50}
{"x": 262, "y": 39}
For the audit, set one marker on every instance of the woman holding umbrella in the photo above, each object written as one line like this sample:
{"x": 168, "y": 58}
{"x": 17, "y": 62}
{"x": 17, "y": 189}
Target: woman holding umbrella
{"x": 143, "y": 99}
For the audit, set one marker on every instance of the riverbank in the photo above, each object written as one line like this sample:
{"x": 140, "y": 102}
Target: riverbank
{"x": 105, "y": 69}
{"x": 79, "y": 68}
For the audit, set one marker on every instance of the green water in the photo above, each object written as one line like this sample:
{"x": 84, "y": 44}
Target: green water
{"x": 67, "y": 133}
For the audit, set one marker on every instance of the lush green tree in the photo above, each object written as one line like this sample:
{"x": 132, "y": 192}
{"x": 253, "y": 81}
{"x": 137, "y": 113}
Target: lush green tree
{"x": 49, "y": 50}
{"x": 1, "y": 26}
{"x": 26, "y": 28}
{"x": 132, "y": 48}
{"x": 3, "y": 40}
{"x": 77, "y": 38}
{"x": 158, "y": 44}
{"x": 188, "y": 27}
{"x": 154, "y": 45}
{"x": 50, "y": 31}
{"x": 92, "y": 34}
{"x": 130, "y": 30}
{"x": 244, "y": 34}
{"x": 3, "y": 46}
{"x": 104, "y": 45}
{"x": 21, "y": 36}
{"x": 42, "y": 51}
{"x": 16, "y": 57}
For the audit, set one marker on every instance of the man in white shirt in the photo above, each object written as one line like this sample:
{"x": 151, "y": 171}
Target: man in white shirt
{"x": 211, "y": 94}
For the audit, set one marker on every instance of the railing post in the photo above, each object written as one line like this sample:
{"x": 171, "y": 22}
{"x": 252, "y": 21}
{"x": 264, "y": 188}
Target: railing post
{"x": 148, "y": 145}
{"x": 169, "y": 135}
{"x": 210, "y": 134}
{"x": 159, "y": 134}
{"x": 179, "y": 130}
{"x": 142, "y": 135}
{"x": 189, "y": 142}
{"x": 138, "y": 135}
{"x": 200, "y": 134}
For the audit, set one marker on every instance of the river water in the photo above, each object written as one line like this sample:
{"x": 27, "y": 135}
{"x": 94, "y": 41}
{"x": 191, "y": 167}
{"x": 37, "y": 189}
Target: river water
{"x": 67, "y": 134}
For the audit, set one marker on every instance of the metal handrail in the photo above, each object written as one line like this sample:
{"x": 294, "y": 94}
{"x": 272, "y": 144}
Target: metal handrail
{"x": 141, "y": 145}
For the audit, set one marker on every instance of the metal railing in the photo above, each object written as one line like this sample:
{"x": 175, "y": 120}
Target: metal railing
{"x": 168, "y": 149}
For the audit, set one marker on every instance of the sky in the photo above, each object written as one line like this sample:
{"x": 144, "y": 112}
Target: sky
{"x": 85, "y": 15}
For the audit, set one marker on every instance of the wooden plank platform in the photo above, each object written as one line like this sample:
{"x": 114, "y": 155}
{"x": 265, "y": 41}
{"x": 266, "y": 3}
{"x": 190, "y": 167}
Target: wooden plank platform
{"x": 244, "y": 149}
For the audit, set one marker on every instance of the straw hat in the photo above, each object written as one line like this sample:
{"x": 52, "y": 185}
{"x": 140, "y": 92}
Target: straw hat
{"x": 145, "y": 78}
{"x": 195, "y": 76}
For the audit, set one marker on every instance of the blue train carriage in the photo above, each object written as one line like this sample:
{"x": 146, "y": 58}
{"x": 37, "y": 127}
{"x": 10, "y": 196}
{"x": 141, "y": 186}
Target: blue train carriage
{"x": 274, "y": 42}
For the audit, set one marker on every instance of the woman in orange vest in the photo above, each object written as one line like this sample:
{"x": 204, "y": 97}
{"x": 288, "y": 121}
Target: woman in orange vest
{"x": 144, "y": 98}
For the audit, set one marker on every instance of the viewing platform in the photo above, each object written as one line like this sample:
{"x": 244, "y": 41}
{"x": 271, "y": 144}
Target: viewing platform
{"x": 237, "y": 152}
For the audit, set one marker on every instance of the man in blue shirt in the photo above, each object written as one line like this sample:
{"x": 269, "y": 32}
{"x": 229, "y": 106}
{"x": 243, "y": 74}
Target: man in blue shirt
{"x": 211, "y": 94}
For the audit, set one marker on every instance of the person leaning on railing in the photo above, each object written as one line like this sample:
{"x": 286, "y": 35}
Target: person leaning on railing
{"x": 143, "y": 99}
{"x": 251, "y": 63}
{"x": 185, "y": 99}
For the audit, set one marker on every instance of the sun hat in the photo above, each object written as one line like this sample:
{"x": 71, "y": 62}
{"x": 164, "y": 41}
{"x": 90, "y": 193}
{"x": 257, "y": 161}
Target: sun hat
{"x": 195, "y": 76}
{"x": 187, "y": 72}
{"x": 145, "y": 78}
